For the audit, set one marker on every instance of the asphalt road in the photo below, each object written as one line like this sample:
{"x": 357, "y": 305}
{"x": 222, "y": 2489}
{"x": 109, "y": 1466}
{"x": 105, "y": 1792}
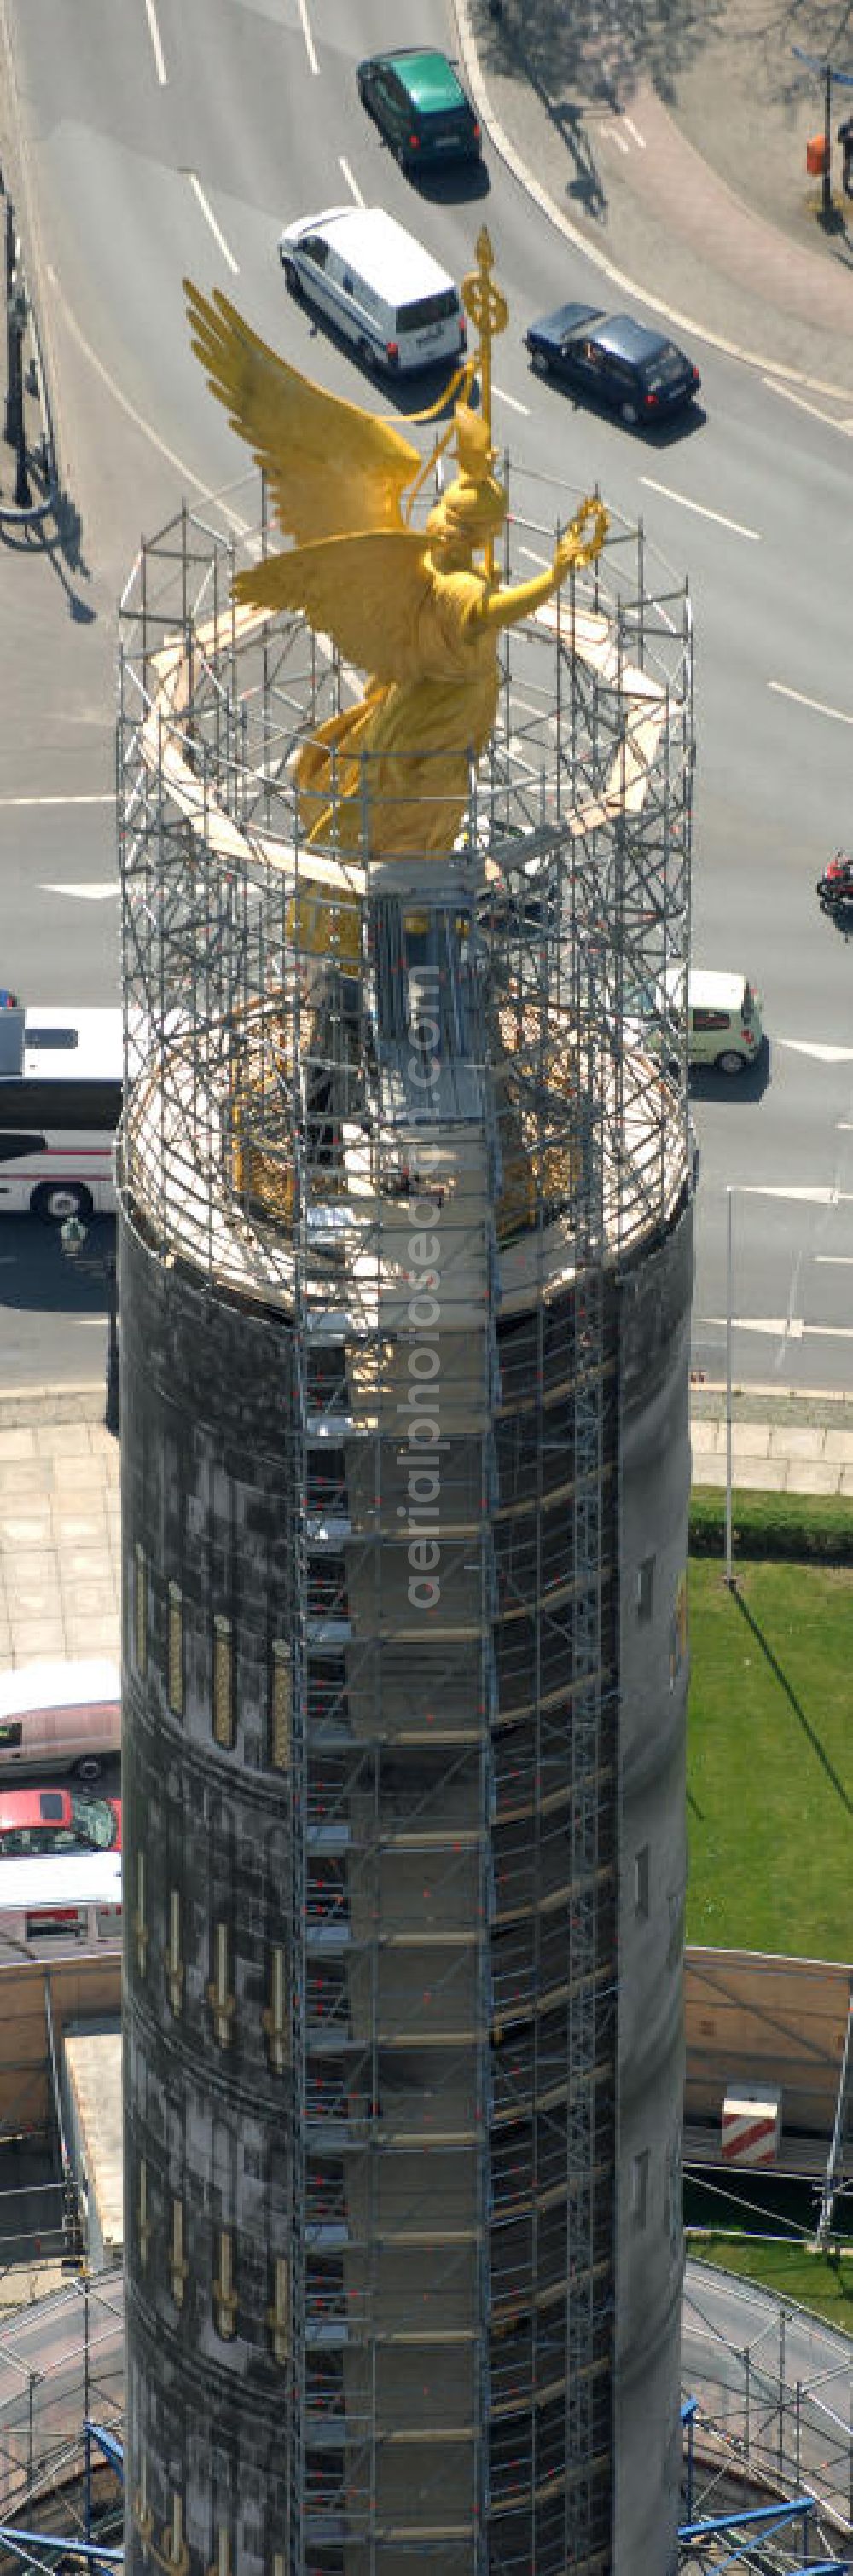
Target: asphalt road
{"x": 179, "y": 138}
{"x": 53, "y": 1314}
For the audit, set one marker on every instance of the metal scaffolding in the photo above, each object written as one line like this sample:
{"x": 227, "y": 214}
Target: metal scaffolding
{"x": 427, "y": 1112}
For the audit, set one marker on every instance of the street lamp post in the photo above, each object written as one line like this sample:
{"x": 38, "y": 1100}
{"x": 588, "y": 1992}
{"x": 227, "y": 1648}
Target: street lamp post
{"x": 16, "y": 432}
{"x": 729, "y": 1302}
{"x": 73, "y": 1235}
{"x": 829, "y": 73}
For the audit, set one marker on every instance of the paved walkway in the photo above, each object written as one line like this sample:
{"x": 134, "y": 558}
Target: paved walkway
{"x": 60, "y": 1562}
{"x": 60, "y": 1541}
{"x": 675, "y": 156}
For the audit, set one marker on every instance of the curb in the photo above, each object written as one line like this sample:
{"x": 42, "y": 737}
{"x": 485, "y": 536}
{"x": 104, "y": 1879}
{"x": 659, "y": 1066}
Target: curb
{"x": 562, "y": 223}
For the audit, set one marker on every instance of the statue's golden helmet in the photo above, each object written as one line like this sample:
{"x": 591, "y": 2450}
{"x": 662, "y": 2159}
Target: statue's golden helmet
{"x": 468, "y": 511}
{"x": 474, "y": 505}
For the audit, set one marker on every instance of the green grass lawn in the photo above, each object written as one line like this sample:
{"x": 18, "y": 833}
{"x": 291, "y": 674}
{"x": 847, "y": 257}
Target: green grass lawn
{"x": 814, "y": 2280}
{"x": 770, "y": 1759}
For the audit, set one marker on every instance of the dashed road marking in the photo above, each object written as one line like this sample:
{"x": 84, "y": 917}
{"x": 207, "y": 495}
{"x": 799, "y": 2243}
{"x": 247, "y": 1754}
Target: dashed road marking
{"x": 500, "y": 396}
{"x": 95, "y": 892}
{"x": 210, "y": 218}
{"x": 313, "y": 64}
{"x": 154, "y": 33}
{"x": 816, "y": 706}
{"x": 734, "y": 525}
{"x": 350, "y": 182}
{"x": 108, "y": 799}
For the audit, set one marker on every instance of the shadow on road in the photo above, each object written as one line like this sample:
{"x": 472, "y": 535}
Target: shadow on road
{"x": 740, "y": 1089}
{"x": 793, "y": 1702}
{"x": 411, "y": 393}
{"x": 464, "y": 184}
{"x": 36, "y": 1276}
{"x": 56, "y": 540}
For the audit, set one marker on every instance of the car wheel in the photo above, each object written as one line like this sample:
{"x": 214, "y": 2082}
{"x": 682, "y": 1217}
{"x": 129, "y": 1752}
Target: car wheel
{"x": 89, "y": 1767}
{"x": 729, "y": 1062}
{"x": 292, "y": 278}
{"x": 56, "y": 1200}
{"x": 628, "y": 413}
{"x": 368, "y": 357}
{"x": 399, "y": 151}
{"x": 540, "y": 364}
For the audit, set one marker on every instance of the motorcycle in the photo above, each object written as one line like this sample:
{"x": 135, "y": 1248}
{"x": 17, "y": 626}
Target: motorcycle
{"x": 834, "y": 889}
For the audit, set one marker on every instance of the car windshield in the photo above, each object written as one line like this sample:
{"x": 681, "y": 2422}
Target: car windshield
{"x": 94, "y": 1822}
{"x": 665, "y": 368}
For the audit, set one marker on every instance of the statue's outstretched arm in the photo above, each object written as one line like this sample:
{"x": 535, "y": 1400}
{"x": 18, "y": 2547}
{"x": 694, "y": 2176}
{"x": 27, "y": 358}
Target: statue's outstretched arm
{"x": 582, "y": 540}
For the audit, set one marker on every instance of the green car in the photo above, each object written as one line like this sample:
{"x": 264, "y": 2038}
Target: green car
{"x": 420, "y": 107}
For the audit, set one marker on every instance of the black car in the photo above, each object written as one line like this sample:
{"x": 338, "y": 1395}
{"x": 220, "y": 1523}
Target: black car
{"x": 419, "y": 106}
{"x": 613, "y": 360}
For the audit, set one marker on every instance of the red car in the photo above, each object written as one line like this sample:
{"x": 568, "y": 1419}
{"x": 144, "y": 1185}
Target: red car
{"x": 57, "y": 1820}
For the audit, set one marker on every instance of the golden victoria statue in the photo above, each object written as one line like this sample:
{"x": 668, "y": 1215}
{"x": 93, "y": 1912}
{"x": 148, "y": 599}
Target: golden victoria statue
{"x": 410, "y": 606}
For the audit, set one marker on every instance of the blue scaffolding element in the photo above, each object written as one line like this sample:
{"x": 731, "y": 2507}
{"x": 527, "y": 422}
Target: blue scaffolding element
{"x": 744, "y": 2527}
{"x": 66, "y": 2543}
{"x": 94, "y": 2552}
{"x": 763, "y": 2520}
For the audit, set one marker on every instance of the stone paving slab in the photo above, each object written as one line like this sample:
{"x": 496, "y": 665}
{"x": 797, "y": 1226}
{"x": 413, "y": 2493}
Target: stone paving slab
{"x": 60, "y": 1551}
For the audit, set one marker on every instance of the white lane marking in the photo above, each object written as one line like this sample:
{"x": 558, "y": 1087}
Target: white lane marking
{"x": 822, "y": 1054}
{"x": 530, "y": 557}
{"x": 834, "y": 1260}
{"x": 611, "y": 136}
{"x": 817, "y": 706}
{"x": 785, "y": 1328}
{"x": 523, "y": 707}
{"x": 735, "y": 525}
{"x": 788, "y": 395}
{"x": 154, "y": 33}
{"x": 351, "y": 183}
{"x": 210, "y": 218}
{"x": 634, "y": 131}
{"x": 95, "y": 892}
{"x": 59, "y": 800}
{"x": 208, "y": 494}
{"x": 782, "y": 1327}
{"x": 313, "y": 64}
{"x": 500, "y": 396}
{"x": 813, "y": 1197}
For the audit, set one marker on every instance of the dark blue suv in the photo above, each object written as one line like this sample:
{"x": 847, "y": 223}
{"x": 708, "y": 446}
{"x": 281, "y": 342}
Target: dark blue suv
{"x": 615, "y": 361}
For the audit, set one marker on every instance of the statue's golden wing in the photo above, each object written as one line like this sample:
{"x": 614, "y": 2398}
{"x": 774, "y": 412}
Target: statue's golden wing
{"x": 365, "y": 591}
{"x": 331, "y": 468}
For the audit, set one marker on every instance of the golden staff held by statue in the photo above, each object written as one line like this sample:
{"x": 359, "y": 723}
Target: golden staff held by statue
{"x": 390, "y": 775}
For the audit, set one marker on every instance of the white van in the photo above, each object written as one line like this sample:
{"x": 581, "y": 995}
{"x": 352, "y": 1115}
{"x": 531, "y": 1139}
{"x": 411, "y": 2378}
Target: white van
{"x": 377, "y": 285}
{"x": 723, "y": 1016}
